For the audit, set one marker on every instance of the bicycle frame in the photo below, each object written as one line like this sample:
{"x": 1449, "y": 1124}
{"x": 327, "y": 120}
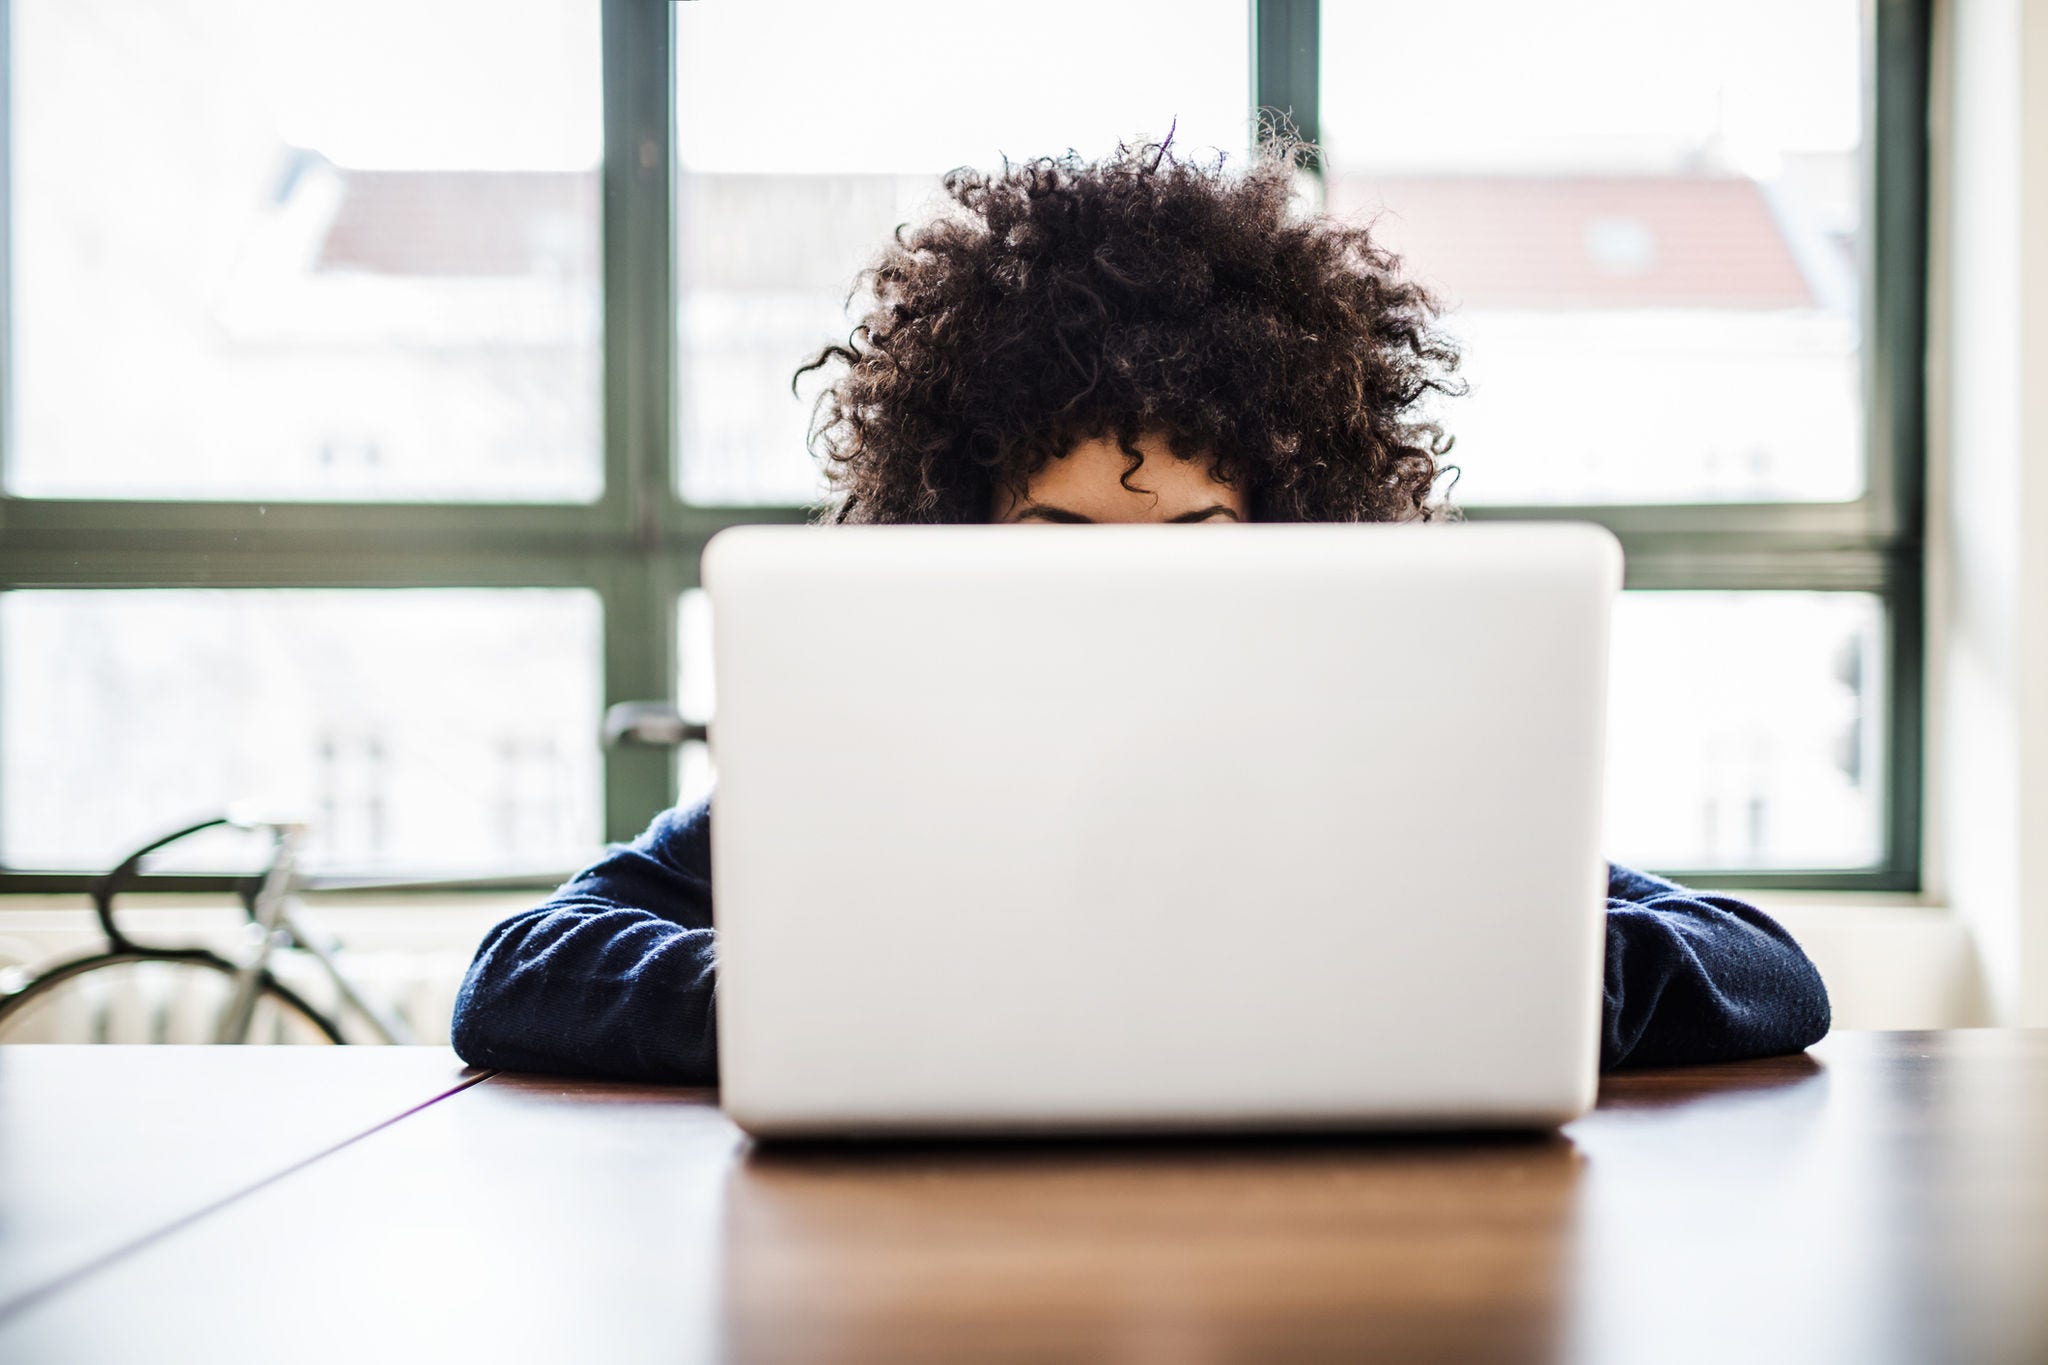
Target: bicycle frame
{"x": 271, "y": 910}
{"x": 273, "y": 921}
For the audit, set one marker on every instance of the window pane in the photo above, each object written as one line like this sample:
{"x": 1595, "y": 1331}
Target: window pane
{"x": 793, "y": 172}
{"x": 417, "y": 729}
{"x": 695, "y": 694}
{"x": 1646, "y": 218}
{"x": 291, "y": 249}
{"x": 1747, "y": 730}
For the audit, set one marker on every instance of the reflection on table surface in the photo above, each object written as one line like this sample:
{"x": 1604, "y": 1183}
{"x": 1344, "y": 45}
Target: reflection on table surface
{"x": 1149, "y": 1251}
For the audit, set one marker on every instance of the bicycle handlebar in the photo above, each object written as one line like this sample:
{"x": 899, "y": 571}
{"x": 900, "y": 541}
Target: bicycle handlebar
{"x": 113, "y": 883}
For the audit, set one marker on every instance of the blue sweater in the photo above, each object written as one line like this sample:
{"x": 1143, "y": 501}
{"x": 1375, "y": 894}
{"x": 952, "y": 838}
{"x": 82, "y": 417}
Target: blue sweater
{"x": 613, "y": 975}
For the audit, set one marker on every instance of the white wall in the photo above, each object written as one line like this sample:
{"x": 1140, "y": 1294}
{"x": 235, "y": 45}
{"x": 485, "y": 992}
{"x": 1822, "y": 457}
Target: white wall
{"x": 1988, "y": 511}
{"x": 1887, "y": 965}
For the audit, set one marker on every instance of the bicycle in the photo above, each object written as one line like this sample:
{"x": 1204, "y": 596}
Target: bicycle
{"x": 270, "y": 900}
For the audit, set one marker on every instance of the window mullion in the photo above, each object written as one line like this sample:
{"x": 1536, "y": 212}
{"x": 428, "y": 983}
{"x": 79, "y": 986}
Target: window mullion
{"x": 1857, "y": 523}
{"x": 638, "y": 291}
{"x": 1894, "y": 276}
{"x": 639, "y": 326}
{"x": 1286, "y": 64}
{"x": 6, "y": 243}
{"x": 1759, "y": 566}
{"x": 1895, "y": 392}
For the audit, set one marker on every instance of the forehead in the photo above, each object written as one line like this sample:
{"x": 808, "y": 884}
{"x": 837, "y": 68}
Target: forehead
{"x": 1093, "y": 474}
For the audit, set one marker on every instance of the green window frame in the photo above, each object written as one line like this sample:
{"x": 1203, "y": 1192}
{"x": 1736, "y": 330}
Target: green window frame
{"x": 637, "y": 547}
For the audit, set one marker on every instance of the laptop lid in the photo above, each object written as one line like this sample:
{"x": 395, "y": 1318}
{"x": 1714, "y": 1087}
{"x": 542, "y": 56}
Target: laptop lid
{"x": 1158, "y": 827}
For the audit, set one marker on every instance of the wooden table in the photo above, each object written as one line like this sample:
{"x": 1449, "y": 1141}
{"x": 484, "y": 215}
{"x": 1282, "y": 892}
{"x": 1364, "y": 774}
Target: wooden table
{"x": 1885, "y": 1199}
{"x": 105, "y": 1147}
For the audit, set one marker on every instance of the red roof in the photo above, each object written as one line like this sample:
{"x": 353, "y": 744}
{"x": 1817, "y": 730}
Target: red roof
{"x": 1484, "y": 241}
{"x": 1582, "y": 241}
{"x": 474, "y": 223}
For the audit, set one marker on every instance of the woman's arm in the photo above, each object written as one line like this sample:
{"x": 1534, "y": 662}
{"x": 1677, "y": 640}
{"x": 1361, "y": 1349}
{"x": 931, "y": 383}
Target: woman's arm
{"x": 613, "y": 976}
{"x": 1701, "y": 978}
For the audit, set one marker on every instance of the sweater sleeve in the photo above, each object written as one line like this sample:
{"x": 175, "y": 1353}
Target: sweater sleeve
{"x": 1701, "y": 978}
{"x": 612, "y": 975}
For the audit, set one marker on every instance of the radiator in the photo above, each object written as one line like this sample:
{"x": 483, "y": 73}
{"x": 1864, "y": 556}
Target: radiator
{"x": 153, "y": 1002}
{"x": 148, "y": 1002}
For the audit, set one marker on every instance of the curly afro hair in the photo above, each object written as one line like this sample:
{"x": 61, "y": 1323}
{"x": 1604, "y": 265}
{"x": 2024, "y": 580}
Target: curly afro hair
{"x": 1060, "y": 300}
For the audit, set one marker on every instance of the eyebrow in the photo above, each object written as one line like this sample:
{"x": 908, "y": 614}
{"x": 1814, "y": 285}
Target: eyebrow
{"x": 1040, "y": 511}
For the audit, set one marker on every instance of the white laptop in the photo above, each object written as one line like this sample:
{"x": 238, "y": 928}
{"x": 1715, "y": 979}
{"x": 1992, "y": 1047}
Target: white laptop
{"x": 1127, "y": 829}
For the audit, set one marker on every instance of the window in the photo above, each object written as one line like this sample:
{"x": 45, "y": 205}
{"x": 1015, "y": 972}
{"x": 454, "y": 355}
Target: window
{"x": 374, "y": 375}
{"x": 1668, "y": 226}
{"x": 262, "y": 251}
{"x": 425, "y": 728}
{"x": 1746, "y": 730}
{"x": 1682, "y": 247}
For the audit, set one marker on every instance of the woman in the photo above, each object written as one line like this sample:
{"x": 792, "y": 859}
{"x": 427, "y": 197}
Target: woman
{"x": 1138, "y": 339}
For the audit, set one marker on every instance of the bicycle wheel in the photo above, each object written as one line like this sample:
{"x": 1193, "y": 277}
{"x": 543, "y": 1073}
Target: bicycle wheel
{"x": 149, "y": 995}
